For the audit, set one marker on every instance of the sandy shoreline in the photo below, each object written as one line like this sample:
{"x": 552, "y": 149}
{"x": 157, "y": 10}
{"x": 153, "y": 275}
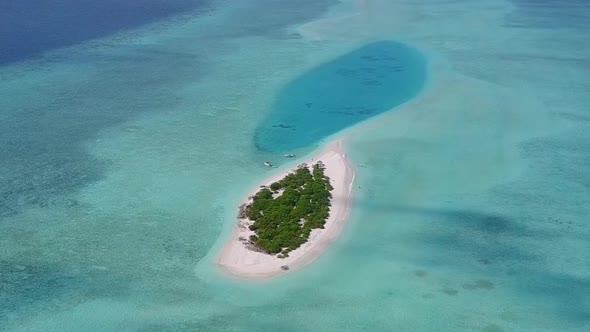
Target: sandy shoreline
{"x": 235, "y": 259}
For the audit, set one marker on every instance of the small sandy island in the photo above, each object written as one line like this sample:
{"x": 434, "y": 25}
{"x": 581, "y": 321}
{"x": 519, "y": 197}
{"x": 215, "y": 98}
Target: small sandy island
{"x": 237, "y": 259}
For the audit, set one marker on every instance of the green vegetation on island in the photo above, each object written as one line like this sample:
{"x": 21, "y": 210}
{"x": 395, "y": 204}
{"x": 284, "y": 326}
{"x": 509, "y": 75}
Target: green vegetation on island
{"x": 285, "y": 213}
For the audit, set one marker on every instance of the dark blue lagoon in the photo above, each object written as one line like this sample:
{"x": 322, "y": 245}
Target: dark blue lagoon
{"x": 335, "y": 95}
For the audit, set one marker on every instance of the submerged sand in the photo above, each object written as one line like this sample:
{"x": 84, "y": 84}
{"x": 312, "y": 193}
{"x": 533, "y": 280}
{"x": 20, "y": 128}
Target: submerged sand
{"x": 238, "y": 260}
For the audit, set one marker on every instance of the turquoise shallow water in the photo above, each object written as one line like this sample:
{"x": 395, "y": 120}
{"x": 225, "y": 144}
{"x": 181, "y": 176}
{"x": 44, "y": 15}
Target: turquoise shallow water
{"x": 121, "y": 170}
{"x": 347, "y": 90}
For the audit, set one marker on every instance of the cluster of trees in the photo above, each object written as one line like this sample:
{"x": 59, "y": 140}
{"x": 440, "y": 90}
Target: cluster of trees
{"x": 285, "y": 213}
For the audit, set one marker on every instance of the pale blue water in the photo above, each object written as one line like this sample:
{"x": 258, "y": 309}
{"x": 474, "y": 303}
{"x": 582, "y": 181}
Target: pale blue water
{"x": 122, "y": 161}
{"x": 347, "y": 90}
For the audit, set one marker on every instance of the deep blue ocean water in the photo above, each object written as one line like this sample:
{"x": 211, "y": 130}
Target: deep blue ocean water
{"x": 30, "y": 27}
{"x": 335, "y": 95}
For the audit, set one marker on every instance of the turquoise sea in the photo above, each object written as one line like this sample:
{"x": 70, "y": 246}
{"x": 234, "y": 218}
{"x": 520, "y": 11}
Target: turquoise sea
{"x": 124, "y": 152}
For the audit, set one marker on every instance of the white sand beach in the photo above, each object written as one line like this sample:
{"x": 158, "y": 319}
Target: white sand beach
{"x": 239, "y": 261}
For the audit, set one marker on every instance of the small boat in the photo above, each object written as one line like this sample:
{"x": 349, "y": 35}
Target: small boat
{"x": 267, "y": 164}
{"x": 289, "y": 156}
